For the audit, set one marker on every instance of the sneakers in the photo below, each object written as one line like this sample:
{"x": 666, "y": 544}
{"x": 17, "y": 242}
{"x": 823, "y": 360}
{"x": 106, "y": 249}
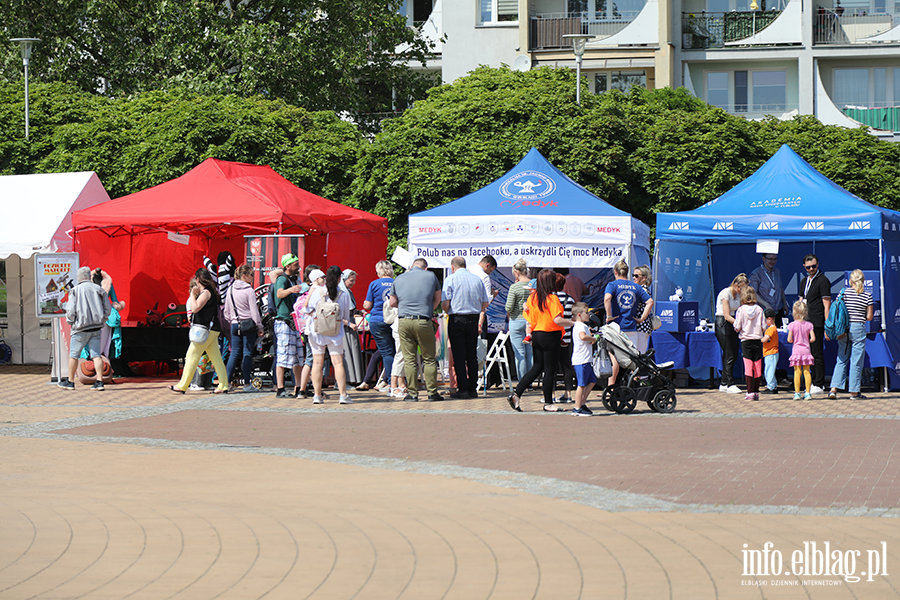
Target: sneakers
{"x": 196, "y": 388}
{"x": 346, "y": 400}
{"x": 317, "y": 400}
{"x": 249, "y": 388}
{"x": 435, "y": 397}
{"x": 584, "y": 411}
{"x": 381, "y": 385}
{"x": 797, "y": 396}
{"x": 98, "y": 386}
{"x": 66, "y": 384}
{"x": 807, "y": 396}
{"x": 730, "y": 389}
{"x": 814, "y": 389}
{"x": 564, "y": 400}
{"x": 748, "y": 396}
{"x": 281, "y": 393}
{"x": 410, "y": 398}
{"x": 769, "y": 391}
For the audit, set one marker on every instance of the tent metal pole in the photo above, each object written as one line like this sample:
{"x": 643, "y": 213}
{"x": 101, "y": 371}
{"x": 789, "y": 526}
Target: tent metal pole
{"x": 21, "y": 312}
{"x": 655, "y": 266}
{"x": 883, "y": 328}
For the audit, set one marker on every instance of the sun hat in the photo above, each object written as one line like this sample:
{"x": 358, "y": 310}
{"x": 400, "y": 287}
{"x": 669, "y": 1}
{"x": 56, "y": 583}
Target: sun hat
{"x": 288, "y": 259}
{"x": 316, "y": 274}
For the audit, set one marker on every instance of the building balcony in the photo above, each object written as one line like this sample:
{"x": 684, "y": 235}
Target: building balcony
{"x": 760, "y": 111}
{"x": 716, "y": 30}
{"x": 855, "y": 27}
{"x": 886, "y": 118}
{"x": 547, "y": 29}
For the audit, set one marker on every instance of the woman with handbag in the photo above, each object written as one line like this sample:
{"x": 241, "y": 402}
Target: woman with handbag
{"x": 242, "y": 314}
{"x": 203, "y": 303}
{"x": 852, "y": 346}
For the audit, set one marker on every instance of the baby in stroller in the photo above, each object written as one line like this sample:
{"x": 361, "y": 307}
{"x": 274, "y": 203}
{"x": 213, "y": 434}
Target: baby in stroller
{"x": 640, "y": 378}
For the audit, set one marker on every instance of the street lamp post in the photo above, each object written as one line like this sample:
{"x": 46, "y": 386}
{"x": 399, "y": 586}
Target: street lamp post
{"x": 26, "y": 44}
{"x": 578, "y": 42}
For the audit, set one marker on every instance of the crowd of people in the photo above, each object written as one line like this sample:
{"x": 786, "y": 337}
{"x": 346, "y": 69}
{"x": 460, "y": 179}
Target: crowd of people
{"x": 752, "y": 309}
{"x": 316, "y": 322}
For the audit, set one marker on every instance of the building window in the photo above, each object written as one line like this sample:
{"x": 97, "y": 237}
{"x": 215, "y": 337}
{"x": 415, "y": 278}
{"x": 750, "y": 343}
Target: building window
{"x": 498, "y": 11}
{"x": 866, "y": 88}
{"x": 619, "y": 80}
{"x": 747, "y": 91}
{"x": 605, "y": 10}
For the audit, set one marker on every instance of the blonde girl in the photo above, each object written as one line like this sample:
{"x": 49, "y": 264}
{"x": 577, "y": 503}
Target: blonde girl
{"x": 801, "y": 334}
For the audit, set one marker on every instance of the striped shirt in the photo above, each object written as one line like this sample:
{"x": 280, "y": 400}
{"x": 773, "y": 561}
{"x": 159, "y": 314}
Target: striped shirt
{"x": 567, "y": 302}
{"x": 857, "y": 304}
{"x": 516, "y": 298}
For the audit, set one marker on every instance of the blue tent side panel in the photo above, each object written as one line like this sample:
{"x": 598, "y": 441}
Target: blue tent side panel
{"x": 549, "y": 193}
{"x": 785, "y": 199}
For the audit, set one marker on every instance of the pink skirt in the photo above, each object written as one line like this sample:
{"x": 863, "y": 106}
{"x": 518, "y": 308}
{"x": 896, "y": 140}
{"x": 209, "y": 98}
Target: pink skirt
{"x": 801, "y": 360}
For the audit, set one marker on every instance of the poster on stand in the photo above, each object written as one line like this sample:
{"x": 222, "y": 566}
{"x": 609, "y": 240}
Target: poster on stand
{"x": 264, "y": 253}
{"x": 54, "y": 275}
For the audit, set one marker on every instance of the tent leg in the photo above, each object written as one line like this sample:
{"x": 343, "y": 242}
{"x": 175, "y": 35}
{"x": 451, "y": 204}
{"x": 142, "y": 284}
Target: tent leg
{"x": 21, "y": 313}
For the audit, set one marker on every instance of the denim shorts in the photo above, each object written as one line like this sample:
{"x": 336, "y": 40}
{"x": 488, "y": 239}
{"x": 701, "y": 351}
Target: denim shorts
{"x": 91, "y": 339}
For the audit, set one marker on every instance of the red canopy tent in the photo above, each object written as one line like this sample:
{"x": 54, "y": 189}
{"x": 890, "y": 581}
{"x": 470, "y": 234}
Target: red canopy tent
{"x": 151, "y": 242}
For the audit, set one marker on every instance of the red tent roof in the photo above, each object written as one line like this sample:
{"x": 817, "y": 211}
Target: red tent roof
{"x": 224, "y": 196}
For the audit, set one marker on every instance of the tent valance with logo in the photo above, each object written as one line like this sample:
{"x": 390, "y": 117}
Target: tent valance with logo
{"x": 789, "y": 201}
{"x": 533, "y": 211}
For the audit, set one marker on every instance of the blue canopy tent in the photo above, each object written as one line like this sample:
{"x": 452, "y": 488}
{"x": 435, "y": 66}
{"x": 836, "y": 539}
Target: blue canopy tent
{"x": 535, "y": 212}
{"x": 789, "y": 201}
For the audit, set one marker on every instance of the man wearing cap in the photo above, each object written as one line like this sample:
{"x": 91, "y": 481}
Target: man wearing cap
{"x": 286, "y": 290}
{"x": 415, "y": 295}
{"x": 87, "y": 311}
{"x": 464, "y": 299}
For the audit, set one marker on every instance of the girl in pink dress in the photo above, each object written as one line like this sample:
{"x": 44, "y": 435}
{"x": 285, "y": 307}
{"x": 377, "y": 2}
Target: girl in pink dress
{"x": 800, "y": 334}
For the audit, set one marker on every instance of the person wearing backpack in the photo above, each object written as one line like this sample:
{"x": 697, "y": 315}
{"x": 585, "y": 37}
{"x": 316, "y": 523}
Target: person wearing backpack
{"x": 852, "y": 345}
{"x": 327, "y": 309}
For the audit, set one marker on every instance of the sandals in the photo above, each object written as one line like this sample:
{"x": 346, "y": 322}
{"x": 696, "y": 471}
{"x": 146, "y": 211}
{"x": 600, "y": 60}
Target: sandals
{"x": 554, "y": 409}
{"x": 832, "y": 396}
{"x": 175, "y": 389}
{"x": 513, "y": 401}
{"x": 362, "y": 387}
{"x": 857, "y": 397}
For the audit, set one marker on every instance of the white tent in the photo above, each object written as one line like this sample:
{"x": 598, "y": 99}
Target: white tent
{"x": 37, "y": 218}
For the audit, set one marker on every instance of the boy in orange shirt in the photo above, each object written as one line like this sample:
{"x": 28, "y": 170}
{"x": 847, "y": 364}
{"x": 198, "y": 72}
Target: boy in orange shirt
{"x": 770, "y": 352}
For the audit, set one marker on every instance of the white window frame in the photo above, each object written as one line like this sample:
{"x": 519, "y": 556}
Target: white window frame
{"x": 495, "y": 15}
{"x": 890, "y": 85}
{"x": 731, "y": 107}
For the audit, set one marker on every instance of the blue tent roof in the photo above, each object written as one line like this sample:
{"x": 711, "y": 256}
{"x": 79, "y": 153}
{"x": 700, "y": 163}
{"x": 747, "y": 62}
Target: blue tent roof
{"x": 534, "y": 187}
{"x": 785, "y": 199}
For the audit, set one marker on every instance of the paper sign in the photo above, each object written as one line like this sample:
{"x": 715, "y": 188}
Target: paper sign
{"x": 402, "y": 257}
{"x": 767, "y": 246}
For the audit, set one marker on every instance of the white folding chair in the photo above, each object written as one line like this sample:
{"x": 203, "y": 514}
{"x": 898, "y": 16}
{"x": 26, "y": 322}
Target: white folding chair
{"x": 496, "y": 355}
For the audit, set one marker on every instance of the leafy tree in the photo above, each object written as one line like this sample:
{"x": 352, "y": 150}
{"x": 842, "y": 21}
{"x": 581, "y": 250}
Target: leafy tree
{"x": 319, "y": 54}
{"x": 151, "y": 138}
{"x": 644, "y": 152}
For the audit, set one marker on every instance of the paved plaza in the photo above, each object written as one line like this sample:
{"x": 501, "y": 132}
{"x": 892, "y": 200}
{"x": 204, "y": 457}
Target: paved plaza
{"x": 136, "y": 492}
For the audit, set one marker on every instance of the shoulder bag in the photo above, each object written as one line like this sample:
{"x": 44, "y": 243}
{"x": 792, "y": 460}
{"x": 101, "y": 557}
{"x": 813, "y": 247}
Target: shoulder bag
{"x": 245, "y": 326}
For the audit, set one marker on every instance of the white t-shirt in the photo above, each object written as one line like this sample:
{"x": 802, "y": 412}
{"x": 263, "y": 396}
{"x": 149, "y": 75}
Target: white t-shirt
{"x": 581, "y": 349}
{"x": 733, "y": 303}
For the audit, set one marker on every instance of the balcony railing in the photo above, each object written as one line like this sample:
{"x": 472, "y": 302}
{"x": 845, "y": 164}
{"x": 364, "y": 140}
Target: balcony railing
{"x": 758, "y": 111}
{"x": 713, "y": 30}
{"x": 548, "y": 29}
{"x": 850, "y": 27}
{"x": 886, "y": 118}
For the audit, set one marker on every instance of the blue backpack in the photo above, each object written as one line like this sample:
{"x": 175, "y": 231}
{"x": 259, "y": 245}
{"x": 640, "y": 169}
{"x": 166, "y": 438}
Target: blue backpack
{"x": 838, "y": 322}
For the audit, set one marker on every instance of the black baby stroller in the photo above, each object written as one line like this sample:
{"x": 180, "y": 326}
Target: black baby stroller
{"x": 639, "y": 379}
{"x": 261, "y": 365}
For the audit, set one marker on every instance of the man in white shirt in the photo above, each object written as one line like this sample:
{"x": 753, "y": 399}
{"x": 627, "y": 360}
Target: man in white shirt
{"x": 483, "y": 270}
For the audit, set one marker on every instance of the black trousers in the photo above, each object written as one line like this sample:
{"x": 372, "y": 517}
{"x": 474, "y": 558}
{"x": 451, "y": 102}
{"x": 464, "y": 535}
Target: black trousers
{"x": 545, "y": 345}
{"x": 728, "y": 340}
{"x": 565, "y": 365}
{"x": 817, "y": 349}
{"x": 463, "y": 333}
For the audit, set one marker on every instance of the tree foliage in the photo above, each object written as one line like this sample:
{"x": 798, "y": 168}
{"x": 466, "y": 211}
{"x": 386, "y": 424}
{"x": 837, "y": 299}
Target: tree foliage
{"x": 151, "y": 138}
{"x": 644, "y": 152}
{"x": 319, "y": 54}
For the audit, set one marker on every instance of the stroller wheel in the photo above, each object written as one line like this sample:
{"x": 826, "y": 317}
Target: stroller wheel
{"x": 257, "y": 383}
{"x": 605, "y": 398}
{"x": 664, "y": 401}
{"x": 622, "y": 400}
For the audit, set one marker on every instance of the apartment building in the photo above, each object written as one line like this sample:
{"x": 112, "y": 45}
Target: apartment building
{"x": 836, "y": 59}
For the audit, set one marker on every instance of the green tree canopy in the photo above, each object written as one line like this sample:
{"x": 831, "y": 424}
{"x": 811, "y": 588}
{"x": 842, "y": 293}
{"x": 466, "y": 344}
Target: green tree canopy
{"x": 151, "y": 138}
{"x": 319, "y": 54}
{"x": 644, "y": 152}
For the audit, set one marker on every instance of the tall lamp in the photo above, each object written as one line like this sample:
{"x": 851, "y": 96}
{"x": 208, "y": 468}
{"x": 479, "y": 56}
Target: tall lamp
{"x": 578, "y": 42}
{"x": 26, "y": 44}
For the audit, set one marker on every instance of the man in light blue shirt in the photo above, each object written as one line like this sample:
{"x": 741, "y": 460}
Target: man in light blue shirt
{"x": 464, "y": 299}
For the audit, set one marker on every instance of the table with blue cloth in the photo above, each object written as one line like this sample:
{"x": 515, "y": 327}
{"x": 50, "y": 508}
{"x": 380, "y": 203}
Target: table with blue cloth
{"x": 701, "y": 349}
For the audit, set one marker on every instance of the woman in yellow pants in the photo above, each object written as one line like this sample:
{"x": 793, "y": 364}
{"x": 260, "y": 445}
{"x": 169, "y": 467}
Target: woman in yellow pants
{"x": 204, "y": 304}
